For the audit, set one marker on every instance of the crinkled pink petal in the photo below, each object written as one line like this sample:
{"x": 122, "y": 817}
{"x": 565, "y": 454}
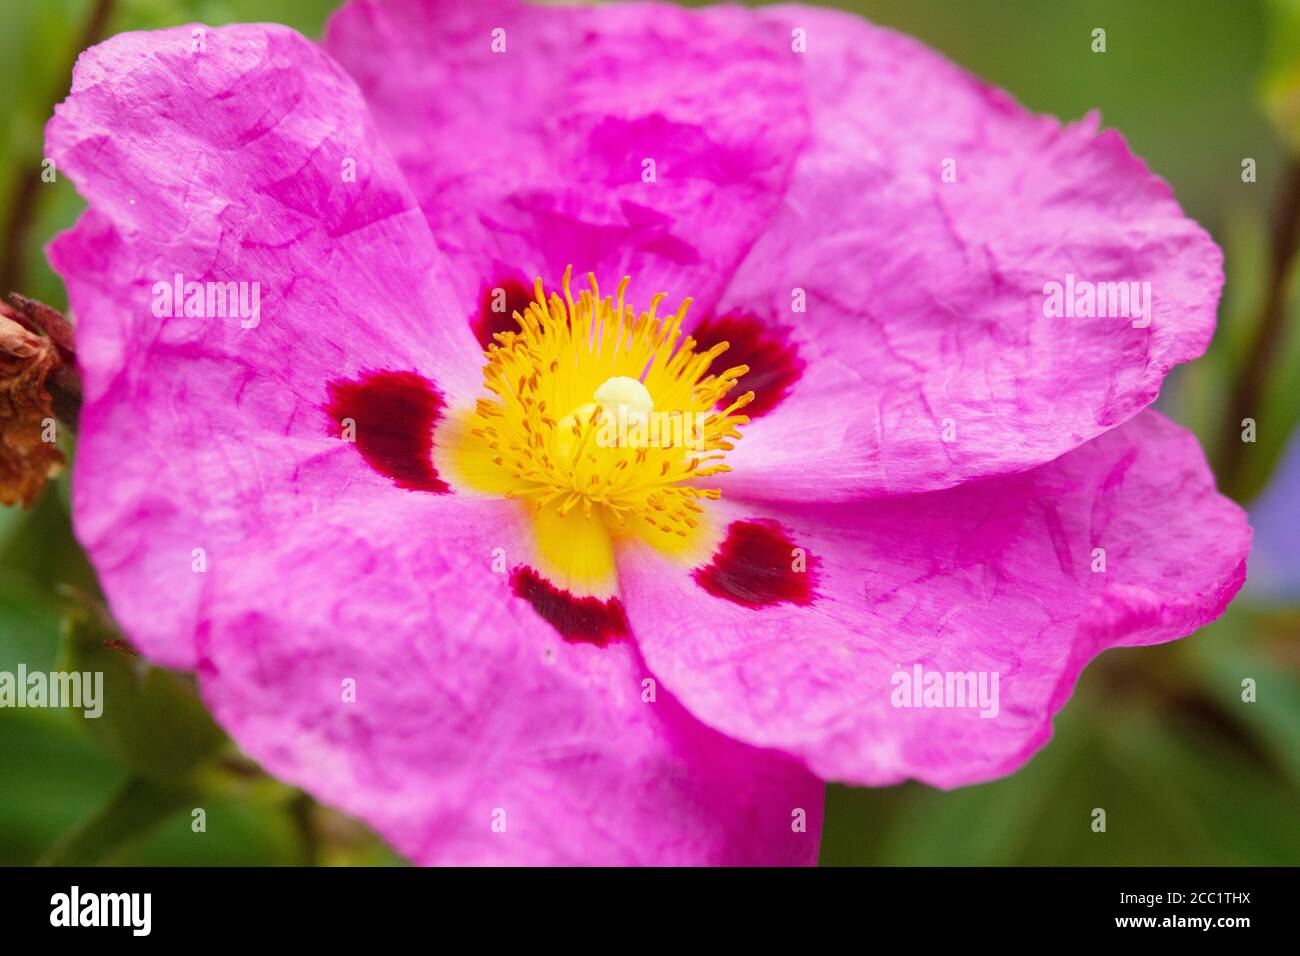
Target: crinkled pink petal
{"x": 228, "y": 165}
{"x": 994, "y": 577}
{"x": 532, "y": 155}
{"x": 930, "y": 359}
{"x": 476, "y": 735}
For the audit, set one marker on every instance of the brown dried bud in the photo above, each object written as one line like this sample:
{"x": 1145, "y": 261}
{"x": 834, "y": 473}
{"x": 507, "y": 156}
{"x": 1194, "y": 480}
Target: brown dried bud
{"x": 28, "y": 455}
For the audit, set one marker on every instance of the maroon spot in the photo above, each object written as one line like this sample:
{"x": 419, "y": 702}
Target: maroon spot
{"x": 487, "y": 322}
{"x": 392, "y": 415}
{"x": 755, "y": 567}
{"x": 585, "y": 619}
{"x": 768, "y": 350}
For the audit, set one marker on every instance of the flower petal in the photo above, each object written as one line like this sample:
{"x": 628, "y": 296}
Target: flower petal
{"x": 997, "y": 577}
{"x": 227, "y": 156}
{"x": 470, "y": 713}
{"x": 527, "y": 134}
{"x": 930, "y": 357}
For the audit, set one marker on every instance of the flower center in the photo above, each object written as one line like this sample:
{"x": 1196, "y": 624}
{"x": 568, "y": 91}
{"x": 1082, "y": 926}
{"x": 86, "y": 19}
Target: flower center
{"x": 598, "y": 408}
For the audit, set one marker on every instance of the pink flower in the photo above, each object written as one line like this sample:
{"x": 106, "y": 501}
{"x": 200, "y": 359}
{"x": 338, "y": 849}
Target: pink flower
{"x": 435, "y": 587}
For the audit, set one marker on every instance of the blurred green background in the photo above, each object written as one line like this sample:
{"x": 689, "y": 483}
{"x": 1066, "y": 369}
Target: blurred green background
{"x": 1187, "y": 772}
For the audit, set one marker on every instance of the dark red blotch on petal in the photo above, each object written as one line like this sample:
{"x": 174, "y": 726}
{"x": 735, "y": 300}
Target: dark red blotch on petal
{"x": 757, "y": 566}
{"x": 394, "y": 414}
{"x": 487, "y": 322}
{"x": 768, "y": 350}
{"x": 578, "y": 619}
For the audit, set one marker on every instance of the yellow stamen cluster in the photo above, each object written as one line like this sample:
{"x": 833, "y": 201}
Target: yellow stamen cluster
{"x": 565, "y": 384}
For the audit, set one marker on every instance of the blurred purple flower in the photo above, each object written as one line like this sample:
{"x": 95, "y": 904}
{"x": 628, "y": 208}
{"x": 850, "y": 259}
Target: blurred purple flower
{"x": 1275, "y": 516}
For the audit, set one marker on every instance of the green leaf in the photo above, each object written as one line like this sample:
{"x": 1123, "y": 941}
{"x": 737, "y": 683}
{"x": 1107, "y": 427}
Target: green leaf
{"x": 136, "y": 809}
{"x": 53, "y": 776}
{"x": 1246, "y": 644}
{"x": 152, "y": 720}
{"x": 1175, "y": 792}
{"x": 29, "y": 626}
{"x": 1280, "y": 80}
{"x": 40, "y": 551}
